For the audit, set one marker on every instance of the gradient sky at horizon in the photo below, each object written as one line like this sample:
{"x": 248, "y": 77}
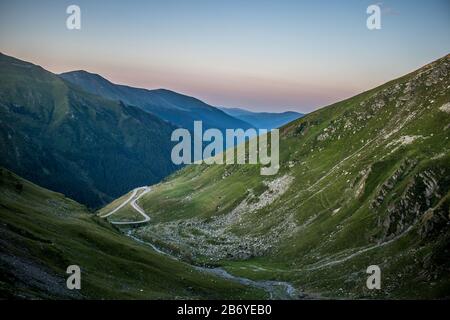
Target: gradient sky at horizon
{"x": 260, "y": 55}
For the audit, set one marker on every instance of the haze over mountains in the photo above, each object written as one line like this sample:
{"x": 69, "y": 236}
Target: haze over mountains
{"x": 178, "y": 109}
{"x": 263, "y": 120}
{"x": 88, "y": 138}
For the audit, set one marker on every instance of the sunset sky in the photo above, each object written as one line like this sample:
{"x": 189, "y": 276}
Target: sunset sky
{"x": 261, "y": 55}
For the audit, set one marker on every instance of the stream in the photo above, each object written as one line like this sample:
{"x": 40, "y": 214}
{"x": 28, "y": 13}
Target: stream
{"x": 277, "y": 290}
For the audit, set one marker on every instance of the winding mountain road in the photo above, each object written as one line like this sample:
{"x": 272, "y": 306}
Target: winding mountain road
{"x": 135, "y": 196}
{"x": 275, "y": 289}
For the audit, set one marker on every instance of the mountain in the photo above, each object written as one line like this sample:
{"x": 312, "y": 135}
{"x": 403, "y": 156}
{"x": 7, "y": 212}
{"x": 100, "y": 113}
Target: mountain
{"x": 263, "y": 120}
{"x": 362, "y": 182}
{"x": 90, "y": 148}
{"x": 43, "y": 232}
{"x": 176, "y": 108}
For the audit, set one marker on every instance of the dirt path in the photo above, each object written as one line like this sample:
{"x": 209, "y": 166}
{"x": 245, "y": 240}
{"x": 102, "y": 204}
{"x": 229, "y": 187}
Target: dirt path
{"x": 135, "y": 196}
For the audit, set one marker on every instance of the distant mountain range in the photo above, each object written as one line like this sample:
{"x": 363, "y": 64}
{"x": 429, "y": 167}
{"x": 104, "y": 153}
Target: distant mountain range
{"x": 178, "y": 109}
{"x": 263, "y": 120}
{"x": 91, "y": 139}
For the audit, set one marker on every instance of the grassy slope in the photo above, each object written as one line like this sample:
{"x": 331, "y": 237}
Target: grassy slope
{"x": 342, "y": 158}
{"x": 42, "y": 233}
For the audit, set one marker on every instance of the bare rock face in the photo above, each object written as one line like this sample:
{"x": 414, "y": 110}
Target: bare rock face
{"x": 420, "y": 202}
{"x": 445, "y": 107}
{"x": 390, "y": 183}
{"x": 436, "y": 221}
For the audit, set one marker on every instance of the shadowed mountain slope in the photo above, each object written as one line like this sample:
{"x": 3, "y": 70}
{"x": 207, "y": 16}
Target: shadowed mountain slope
{"x": 90, "y": 148}
{"x": 171, "y": 106}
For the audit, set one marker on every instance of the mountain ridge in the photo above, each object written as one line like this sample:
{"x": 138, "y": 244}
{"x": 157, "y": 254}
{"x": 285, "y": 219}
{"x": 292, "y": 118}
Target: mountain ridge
{"x": 71, "y": 141}
{"x": 177, "y": 108}
{"x": 43, "y": 232}
{"x": 263, "y": 120}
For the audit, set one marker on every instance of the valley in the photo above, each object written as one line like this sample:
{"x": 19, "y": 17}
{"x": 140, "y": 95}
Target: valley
{"x": 274, "y": 289}
{"x": 215, "y": 158}
{"x": 364, "y": 181}
{"x": 43, "y": 232}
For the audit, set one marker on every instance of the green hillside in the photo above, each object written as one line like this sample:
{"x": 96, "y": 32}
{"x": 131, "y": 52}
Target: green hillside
{"x": 364, "y": 181}
{"x": 65, "y": 139}
{"x": 43, "y": 232}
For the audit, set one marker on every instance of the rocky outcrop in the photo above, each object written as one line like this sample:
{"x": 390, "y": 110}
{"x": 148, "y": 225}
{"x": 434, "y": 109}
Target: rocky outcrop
{"x": 390, "y": 183}
{"x": 415, "y": 204}
{"x": 436, "y": 221}
{"x": 213, "y": 238}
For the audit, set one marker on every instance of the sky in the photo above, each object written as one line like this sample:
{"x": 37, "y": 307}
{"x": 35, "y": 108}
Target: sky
{"x": 261, "y": 55}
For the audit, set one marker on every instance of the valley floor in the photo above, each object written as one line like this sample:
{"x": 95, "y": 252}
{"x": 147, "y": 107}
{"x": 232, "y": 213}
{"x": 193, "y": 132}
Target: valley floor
{"x": 274, "y": 289}
{"x": 43, "y": 232}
